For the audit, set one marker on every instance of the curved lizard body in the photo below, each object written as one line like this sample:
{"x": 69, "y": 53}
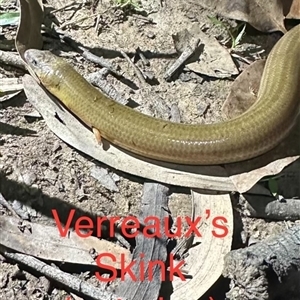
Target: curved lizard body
{"x": 253, "y": 133}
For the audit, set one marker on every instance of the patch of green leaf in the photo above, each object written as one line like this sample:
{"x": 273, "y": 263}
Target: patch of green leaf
{"x": 235, "y": 33}
{"x": 131, "y": 4}
{"x": 9, "y": 18}
{"x": 273, "y": 186}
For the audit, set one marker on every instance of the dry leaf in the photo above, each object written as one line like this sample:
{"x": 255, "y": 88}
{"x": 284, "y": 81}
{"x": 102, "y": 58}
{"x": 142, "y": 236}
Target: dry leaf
{"x": 243, "y": 91}
{"x": 293, "y": 10}
{"x": 242, "y": 96}
{"x": 266, "y": 16}
{"x": 215, "y": 61}
{"x": 243, "y": 180}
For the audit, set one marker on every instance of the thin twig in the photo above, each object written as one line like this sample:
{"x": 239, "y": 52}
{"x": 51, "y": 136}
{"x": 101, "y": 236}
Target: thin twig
{"x": 79, "y": 286}
{"x": 65, "y": 7}
{"x": 7, "y": 205}
{"x": 185, "y": 55}
{"x": 11, "y": 59}
{"x": 136, "y": 69}
{"x": 63, "y": 26}
{"x": 142, "y": 56}
{"x": 97, "y": 79}
{"x": 98, "y": 60}
{"x": 245, "y": 60}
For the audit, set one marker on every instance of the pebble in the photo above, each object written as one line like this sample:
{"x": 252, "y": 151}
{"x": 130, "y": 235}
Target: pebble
{"x": 28, "y": 178}
{"x": 104, "y": 178}
{"x": 151, "y": 35}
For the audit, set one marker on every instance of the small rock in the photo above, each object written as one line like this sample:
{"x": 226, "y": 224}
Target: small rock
{"x": 151, "y": 35}
{"x": 61, "y": 187}
{"x": 104, "y": 178}
{"x": 175, "y": 113}
{"x": 51, "y": 176}
{"x": 34, "y": 189}
{"x": 20, "y": 210}
{"x": 33, "y": 116}
{"x": 185, "y": 77}
{"x": 149, "y": 74}
{"x": 115, "y": 177}
{"x": 202, "y": 108}
{"x": 56, "y": 147}
{"x": 192, "y": 15}
{"x": 28, "y": 178}
{"x": 44, "y": 284}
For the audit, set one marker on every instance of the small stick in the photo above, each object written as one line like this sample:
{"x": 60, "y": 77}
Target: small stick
{"x": 87, "y": 54}
{"x": 245, "y": 60}
{"x": 142, "y": 56}
{"x": 97, "y": 24}
{"x": 97, "y": 79}
{"x": 185, "y": 55}
{"x": 6, "y": 204}
{"x": 12, "y": 59}
{"x": 63, "y": 26}
{"x": 269, "y": 208}
{"x": 98, "y": 60}
{"x": 67, "y": 280}
{"x": 63, "y": 7}
{"x": 136, "y": 69}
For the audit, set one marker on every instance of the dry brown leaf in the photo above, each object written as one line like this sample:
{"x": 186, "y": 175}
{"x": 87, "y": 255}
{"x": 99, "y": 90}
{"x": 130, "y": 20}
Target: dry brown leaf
{"x": 45, "y": 242}
{"x": 266, "y": 16}
{"x": 243, "y": 91}
{"x": 215, "y": 61}
{"x": 243, "y": 180}
{"x": 292, "y": 9}
{"x": 29, "y": 31}
{"x": 251, "y": 171}
{"x": 242, "y": 96}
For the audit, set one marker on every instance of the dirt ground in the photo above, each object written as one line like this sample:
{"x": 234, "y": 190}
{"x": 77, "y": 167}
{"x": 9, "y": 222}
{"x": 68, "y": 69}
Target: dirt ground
{"x": 41, "y": 172}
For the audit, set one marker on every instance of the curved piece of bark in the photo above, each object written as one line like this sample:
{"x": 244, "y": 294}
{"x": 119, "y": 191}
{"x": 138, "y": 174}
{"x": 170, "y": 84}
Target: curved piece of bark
{"x": 207, "y": 251}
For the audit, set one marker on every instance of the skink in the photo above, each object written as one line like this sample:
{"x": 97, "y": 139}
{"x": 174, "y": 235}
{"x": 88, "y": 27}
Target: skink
{"x": 253, "y": 133}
